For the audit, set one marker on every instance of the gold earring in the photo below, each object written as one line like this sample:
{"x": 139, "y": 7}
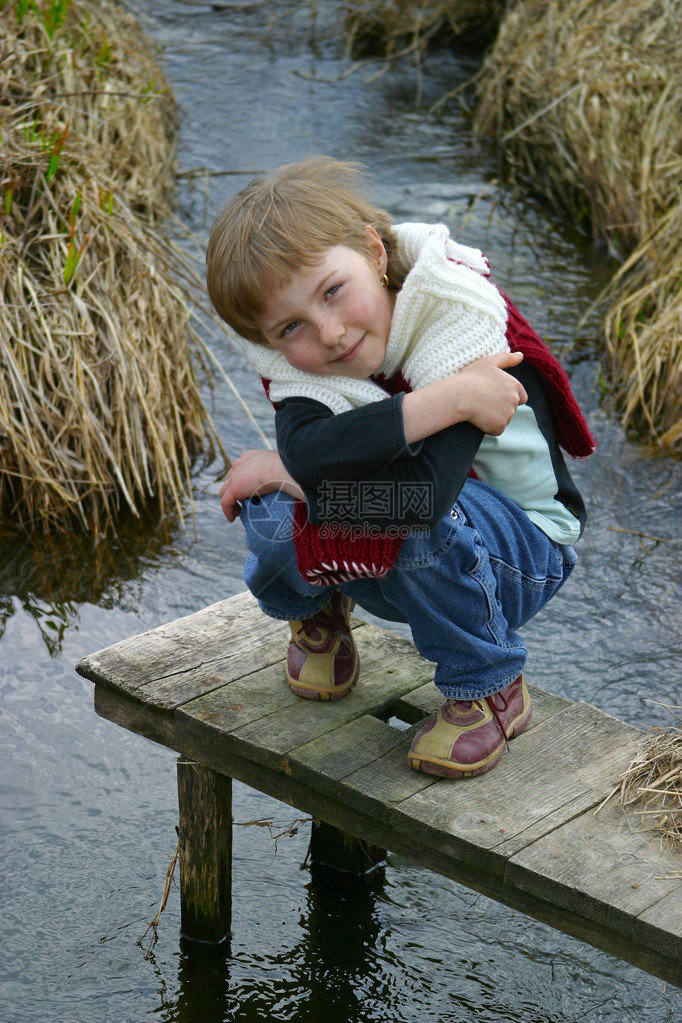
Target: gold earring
{"x": 384, "y": 281}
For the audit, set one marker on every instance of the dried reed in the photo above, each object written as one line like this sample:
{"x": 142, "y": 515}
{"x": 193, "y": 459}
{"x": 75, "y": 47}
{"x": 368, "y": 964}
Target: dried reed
{"x": 585, "y": 96}
{"x": 100, "y": 407}
{"x": 153, "y": 925}
{"x": 651, "y": 788}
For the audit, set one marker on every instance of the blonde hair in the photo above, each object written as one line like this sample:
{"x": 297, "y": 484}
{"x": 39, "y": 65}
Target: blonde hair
{"x": 282, "y": 222}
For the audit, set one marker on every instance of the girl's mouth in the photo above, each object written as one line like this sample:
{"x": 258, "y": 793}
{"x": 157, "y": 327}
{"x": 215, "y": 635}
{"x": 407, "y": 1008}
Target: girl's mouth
{"x": 351, "y": 352}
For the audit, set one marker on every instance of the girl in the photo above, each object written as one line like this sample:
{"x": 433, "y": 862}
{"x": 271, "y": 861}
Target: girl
{"x": 418, "y": 469}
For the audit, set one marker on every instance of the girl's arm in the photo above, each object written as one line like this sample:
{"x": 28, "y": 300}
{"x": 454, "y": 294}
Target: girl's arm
{"x": 429, "y": 443}
{"x": 482, "y": 394}
{"x": 366, "y": 442}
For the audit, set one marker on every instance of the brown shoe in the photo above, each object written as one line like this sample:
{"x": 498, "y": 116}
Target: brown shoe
{"x": 322, "y": 659}
{"x": 468, "y": 737}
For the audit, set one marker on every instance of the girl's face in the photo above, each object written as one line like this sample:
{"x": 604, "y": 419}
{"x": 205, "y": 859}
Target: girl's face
{"x": 333, "y": 317}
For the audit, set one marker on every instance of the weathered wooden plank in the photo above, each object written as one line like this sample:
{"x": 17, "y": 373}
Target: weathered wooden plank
{"x": 386, "y": 782}
{"x": 255, "y": 697}
{"x": 336, "y": 754}
{"x": 389, "y": 780}
{"x": 205, "y": 842}
{"x": 551, "y": 775}
{"x": 124, "y": 710}
{"x": 268, "y": 737}
{"x": 362, "y": 744}
{"x": 210, "y": 750}
{"x": 660, "y": 926}
{"x": 242, "y": 657}
{"x": 598, "y": 867}
{"x": 179, "y": 662}
{"x": 190, "y": 642}
{"x": 265, "y": 692}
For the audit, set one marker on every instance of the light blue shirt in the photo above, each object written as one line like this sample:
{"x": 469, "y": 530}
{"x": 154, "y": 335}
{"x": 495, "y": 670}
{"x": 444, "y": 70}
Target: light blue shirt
{"x": 519, "y": 464}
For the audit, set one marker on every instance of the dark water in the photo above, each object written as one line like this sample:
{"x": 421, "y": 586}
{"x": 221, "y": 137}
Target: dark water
{"x": 89, "y": 810}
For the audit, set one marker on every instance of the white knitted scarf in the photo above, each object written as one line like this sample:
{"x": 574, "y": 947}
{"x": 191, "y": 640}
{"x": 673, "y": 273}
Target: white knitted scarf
{"x": 446, "y": 315}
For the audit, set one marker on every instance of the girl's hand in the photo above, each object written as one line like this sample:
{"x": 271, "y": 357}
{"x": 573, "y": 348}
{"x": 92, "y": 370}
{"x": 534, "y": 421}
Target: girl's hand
{"x": 489, "y": 396}
{"x": 254, "y": 472}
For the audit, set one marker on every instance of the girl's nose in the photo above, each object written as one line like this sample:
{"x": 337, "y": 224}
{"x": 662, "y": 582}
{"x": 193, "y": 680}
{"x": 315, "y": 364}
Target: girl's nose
{"x": 331, "y": 331}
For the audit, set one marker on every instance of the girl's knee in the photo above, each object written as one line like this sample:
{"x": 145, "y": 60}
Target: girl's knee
{"x": 268, "y": 522}
{"x": 271, "y": 570}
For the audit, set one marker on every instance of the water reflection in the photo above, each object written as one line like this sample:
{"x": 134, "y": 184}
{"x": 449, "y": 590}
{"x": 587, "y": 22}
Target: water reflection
{"x": 203, "y": 985}
{"x": 329, "y": 970}
{"x": 336, "y": 959}
{"x": 49, "y": 577}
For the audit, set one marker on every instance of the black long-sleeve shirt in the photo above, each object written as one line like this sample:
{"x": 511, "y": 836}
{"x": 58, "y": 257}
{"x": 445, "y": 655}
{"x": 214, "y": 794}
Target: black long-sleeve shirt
{"x": 366, "y": 446}
{"x": 356, "y": 466}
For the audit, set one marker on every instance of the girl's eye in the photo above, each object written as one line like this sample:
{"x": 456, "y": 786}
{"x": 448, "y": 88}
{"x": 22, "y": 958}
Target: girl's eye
{"x": 290, "y": 328}
{"x": 332, "y": 291}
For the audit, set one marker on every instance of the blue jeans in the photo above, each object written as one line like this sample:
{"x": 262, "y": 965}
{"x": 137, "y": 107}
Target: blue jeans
{"x": 464, "y": 589}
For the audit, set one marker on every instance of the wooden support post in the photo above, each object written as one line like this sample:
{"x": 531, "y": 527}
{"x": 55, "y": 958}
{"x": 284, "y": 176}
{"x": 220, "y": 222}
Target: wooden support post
{"x": 205, "y": 834}
{"x": 331, "y": 847}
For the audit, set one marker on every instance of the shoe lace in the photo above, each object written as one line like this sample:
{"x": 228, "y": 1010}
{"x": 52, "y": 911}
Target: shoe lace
{"x": 496, "y": 715}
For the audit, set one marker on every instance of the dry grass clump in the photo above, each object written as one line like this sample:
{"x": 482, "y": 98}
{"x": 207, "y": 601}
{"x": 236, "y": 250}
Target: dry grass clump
{"x": 586, "y": 98}
{"x": 651, "y": 788}
{"x": 100, "y": 407}
{"x": 644, "y": 332}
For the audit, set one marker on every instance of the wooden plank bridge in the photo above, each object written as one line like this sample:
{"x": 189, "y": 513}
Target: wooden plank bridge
{"x": 212, "y": 687}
